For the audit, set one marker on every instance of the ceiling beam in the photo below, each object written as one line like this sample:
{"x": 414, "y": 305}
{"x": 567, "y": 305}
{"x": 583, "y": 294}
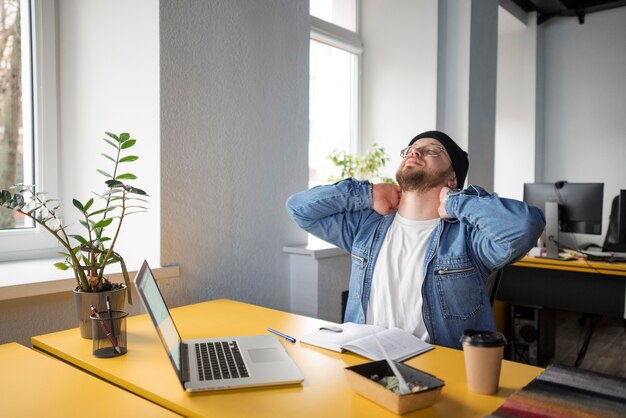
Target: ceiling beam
{"x": 547, "y": 9}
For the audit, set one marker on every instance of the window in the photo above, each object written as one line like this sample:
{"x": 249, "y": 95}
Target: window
{"x": 27, "y": 117}
{"x": 335, "y": 50}
{"x": 331, "y": 107}
{"x": 15, "y": 153}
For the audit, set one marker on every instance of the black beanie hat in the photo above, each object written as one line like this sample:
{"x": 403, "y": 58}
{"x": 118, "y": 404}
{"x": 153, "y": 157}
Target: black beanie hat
{"x": 460, "y": 162}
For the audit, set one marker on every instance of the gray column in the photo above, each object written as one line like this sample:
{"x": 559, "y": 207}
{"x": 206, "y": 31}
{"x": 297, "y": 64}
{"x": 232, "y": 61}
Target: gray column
{"x": 466, "y": 81}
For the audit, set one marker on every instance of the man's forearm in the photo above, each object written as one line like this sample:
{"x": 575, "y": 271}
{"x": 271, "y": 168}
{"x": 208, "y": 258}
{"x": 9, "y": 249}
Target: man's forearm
{"x": 330, "y": 212}
{"x": 504, "y": 229}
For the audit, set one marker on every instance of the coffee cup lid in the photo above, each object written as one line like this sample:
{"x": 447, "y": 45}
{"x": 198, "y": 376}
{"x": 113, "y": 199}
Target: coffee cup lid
{"x": 483, "y": 338}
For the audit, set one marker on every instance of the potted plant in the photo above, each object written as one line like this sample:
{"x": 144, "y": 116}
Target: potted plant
{"x": 366, "y": 167}
{"x": 88, "y": 254}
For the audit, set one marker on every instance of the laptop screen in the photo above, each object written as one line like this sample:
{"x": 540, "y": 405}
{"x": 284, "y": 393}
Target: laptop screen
{"x": 160, "y": 315}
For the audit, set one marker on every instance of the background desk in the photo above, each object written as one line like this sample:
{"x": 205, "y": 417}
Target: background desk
{"x": 577, "y": 286}
{"x": 146, "y": 370}
{"x": 35, "y": 385}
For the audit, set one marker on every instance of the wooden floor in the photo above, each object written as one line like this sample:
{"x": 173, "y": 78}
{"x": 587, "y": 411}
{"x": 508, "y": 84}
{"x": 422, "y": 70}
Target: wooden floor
{"x": 606, "y": 352}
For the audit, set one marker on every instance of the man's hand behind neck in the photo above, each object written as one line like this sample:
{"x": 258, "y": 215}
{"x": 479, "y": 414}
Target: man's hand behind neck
{"x": 385, "y": 198}
{"x": 442, "y": 200}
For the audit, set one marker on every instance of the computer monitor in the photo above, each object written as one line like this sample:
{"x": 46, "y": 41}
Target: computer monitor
{"x": 569, "y": 207}
{"x": 616, "y": 232}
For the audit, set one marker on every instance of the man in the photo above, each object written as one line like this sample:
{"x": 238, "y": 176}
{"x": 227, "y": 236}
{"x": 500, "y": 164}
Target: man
{"x": 421, "y": 251}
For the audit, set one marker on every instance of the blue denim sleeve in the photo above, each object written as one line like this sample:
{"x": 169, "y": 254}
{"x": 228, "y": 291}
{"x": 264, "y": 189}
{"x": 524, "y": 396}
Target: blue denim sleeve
{"x": 333, "y": 212}
{"x": 502, "y": 230}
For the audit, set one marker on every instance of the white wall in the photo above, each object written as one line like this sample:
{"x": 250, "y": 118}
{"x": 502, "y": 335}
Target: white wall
{"x": 515, "y": 109}
{"x": 399, "y": 73}
{"x": 234, "y": 132}
{"x": 585, "y": 102}
{"x": 109, "y": 81}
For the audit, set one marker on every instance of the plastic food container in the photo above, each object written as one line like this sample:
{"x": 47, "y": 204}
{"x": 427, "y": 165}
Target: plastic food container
{"x": 363, "y": 379}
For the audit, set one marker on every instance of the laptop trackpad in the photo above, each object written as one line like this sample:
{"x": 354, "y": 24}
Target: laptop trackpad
{"x": 264, "y": 355}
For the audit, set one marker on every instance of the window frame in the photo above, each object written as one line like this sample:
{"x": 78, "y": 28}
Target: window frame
{"x": 41, "y": 97}
{"x": 339, "y": 37}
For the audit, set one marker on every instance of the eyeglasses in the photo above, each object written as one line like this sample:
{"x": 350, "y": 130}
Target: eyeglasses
{"x": 425, "y": 151}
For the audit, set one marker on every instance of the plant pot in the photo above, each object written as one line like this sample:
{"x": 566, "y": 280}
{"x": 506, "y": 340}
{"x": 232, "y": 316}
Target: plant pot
{"x": 84, "y": 300}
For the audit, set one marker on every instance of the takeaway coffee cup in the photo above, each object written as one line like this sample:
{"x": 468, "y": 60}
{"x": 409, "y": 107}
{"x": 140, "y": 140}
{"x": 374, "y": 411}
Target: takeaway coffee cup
{"x": 483, "y": 352}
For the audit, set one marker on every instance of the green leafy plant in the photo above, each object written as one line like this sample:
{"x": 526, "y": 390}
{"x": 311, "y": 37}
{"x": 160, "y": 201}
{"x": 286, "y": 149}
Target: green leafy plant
{"x": 87, "y": 254}
{"x": 365, "y": 167}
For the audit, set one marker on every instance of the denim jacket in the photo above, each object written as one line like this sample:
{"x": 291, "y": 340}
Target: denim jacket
{"x": 486, "y": 234}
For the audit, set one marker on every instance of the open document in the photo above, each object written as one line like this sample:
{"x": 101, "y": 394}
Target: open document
{"x": 359, "y": 339}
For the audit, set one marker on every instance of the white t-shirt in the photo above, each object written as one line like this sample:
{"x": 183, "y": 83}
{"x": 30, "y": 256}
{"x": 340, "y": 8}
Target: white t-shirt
{"x": 396, "y": 294}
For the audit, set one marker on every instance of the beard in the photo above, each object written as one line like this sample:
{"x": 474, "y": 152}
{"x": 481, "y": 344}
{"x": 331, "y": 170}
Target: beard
{"x": 421, "y": 180}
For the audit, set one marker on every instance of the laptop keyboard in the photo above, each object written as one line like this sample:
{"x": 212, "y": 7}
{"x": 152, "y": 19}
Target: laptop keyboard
{"x": 220, "y": 360}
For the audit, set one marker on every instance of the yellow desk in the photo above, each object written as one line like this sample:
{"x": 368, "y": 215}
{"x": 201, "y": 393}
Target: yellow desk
{"x": 582, "y": 286}
{"x": 579, "y": 265}
{"x": 35, "y": 385}
{"x": 146, "y": 370}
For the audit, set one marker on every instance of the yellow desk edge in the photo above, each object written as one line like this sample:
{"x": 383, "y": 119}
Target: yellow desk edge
{"x": 35, "y": 384}
{"x": 579, "y": 265}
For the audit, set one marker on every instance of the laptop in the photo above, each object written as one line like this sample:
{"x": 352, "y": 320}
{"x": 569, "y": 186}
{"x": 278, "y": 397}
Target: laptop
{"x": 216, "y": 363}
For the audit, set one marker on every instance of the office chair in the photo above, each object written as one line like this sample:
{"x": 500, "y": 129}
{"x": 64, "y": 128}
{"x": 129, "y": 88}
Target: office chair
{"x": 611, "y": 240}
{"x": 344, "y": 302}
{"x": 492, "y": 283}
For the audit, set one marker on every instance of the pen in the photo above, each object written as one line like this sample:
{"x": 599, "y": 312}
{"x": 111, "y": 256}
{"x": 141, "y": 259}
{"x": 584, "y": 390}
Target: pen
{"x": 114, "y": 341}
{"x": 105, "y": 329}
{"x": 285, "y": 336}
